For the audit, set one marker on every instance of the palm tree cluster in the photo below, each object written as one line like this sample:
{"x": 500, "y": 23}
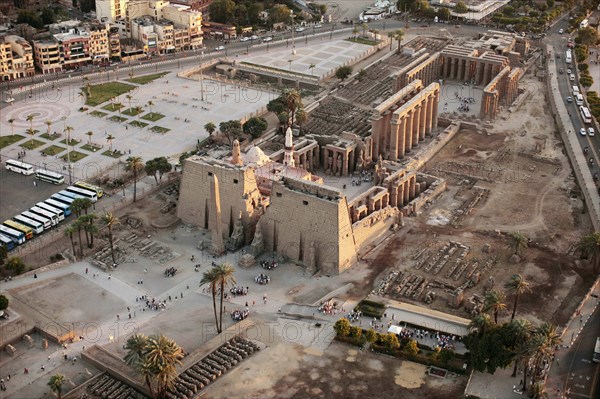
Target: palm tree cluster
{"x": 589, "y": 246}
{"x": 218, "y": 279}
{"x": 85, "y": 222}
{"x": 492, "y": 345}
{"x": 155, "y": 357}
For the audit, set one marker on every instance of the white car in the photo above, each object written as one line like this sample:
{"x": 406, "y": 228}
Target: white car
{"x": 572, "y": 78}
{"x": 220, "y": 48}
{"x": 561, "y": 31}
{"x": 582, "y": 131}
{"x": 300, "y": 29}
{"x": 569, "y": 72}
{"x": 244, "y": 39}
{"x": 569, "y": 99}
{"x": 318, "y": 26}
{"x": 267, "y": 39}
{"x": 9, "y": 100}
{"x": 591, "y": 131}
{"x": 254, "y": 37}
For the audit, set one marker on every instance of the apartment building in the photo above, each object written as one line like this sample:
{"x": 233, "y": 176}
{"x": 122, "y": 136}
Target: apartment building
{"x": 74, "y": 48}
{"x": 16, "y": 58}
{"x": 47, "y": 57}
{"x": 110, "y": 10}
{"x": 99, "y": 44}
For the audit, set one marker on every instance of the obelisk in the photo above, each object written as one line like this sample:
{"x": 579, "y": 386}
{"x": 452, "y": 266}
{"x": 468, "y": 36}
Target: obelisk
{"x": 217, "y": 247}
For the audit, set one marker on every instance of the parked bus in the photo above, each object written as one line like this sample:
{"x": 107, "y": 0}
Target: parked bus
{"x": 63, "y": 198}
{"x": 19, "y": 227}
{"x": 60, "y": 205}
{"x": 47, "y": 223}
{"x": 37, "y": 227}
{"x": 585, "y": 114}
{"x": 53, "y": 217}
{"x": 16, "y": 236}
{"x": 69, "y": 194}
{"x": 50, "y": 177}
{"x": 584, "y": 24}
{"x": 579, "y": 99}
{"x": 596, "y": 357}
{"x": 568, "y": 57}
{"x": 19, "y": 167}
{"x": 7, "y": 242}
{"x": 88, "y": 186}
{"x": 60, "y": 214}
{"x": 84, "y": 192}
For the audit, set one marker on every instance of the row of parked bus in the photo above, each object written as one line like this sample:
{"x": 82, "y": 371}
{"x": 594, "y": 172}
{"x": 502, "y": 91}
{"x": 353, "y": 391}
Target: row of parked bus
{"x": 46, "y": 214}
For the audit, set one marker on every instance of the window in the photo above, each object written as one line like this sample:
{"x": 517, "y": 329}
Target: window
{"x": 210, "y": 173}
{"x": 278, "y": 194}
{"x": 305, "y": 202}
{"x": 235, "y": 181}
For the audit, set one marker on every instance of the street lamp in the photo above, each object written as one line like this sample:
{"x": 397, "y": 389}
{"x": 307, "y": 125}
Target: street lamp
{"x": 293, "y": 45}
{"x": 201, "y": 77}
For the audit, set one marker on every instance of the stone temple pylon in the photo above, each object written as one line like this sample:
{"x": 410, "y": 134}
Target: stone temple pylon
{"x": 217, "y": 247}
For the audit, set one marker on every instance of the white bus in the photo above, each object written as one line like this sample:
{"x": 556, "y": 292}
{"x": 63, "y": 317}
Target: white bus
{"x": 47, "y": 223}
{"x": 579, "y": 99}
{"x": 53, "y": 217}
{"x": 36, "y": 226}
{"x": 88, "y": 186}
{"x": 60, "y": 205}
{"x": 18, "y": 237}
{"x": 568, "y": 57}
{"x": 50, "y": 177}
{"x": 83, "y": 192}
{"x": 584, "y": 24}
{"x": 49, "y": 208}
{"x": 596, "y": 357}
{"x": 63, "y": 198}
{"x": 7, "y": 242}
{"x": 19, "y": 167}
{"x": 69, "y": 194}
{"x": 585, "y": 114}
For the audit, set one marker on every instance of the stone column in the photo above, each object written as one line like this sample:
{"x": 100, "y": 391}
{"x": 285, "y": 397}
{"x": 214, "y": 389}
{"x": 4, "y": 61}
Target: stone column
{"x": 402, "y": 137}
{"x": 412, "y": 182}
{"x": 408, "y": 135}
{"x": 406, "y": 190}
{"x": 400, "y": 197}
{"x": 416, "y": 125}
{"x": 423, "y": 117}
{"x": 370, "y": 205}
{"x": 454, "y": 62}
{"x": 393, "y": 195}
{"x": 376, "y": 132}
{"x": 429, "y": 114}
{"x": 488, "y": 73}
{"x": 345, "y": 160}
{"x": 385, "y": 200}
{"x": 434, "y": 117}
{"x": 478, "y": 72}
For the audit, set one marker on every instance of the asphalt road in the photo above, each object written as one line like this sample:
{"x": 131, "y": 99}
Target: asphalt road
{"x": 579, "y": 373}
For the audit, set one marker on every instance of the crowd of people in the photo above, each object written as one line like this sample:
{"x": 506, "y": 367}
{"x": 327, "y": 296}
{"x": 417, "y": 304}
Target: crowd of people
{"x": 268, "y": 265}
{"x": 150, "y": 304}
{"x": 262, "y": 279}
{"x": 170, "y": 272}
{"x": 329, "y": 307}
{"x": 235, "y": 291}
{"x": 442, "y": 341}
{"x": 365, "y": 176}
{"x": 238, "y": 315}
{"x": 354, "y": 316}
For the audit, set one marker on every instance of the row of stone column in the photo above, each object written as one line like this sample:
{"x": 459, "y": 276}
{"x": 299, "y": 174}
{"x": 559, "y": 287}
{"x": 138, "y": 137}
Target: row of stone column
{"x": 467, "y": 68}
{"x": 374, "y": 203}
{"x": 338, "y": 162}
{"x": 489, "y": 105}
{"x": 411, "y": 126}
{"x": 308, "y": 160}
{"x": 426, "y": 74}
{"x": 402, "y": 192}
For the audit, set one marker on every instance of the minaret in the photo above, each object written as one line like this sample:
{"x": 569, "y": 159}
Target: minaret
{"x": 236, "y": 158}
{"x": 288, "y": 157}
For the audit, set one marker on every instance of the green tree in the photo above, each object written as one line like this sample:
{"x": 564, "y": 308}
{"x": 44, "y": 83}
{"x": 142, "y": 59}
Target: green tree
{"x": 343, "y": 72}
{"x": 231, "y": 130}
{"x": 411, "y": 347}
{"x": 279, "y": 13}
{"x": 135, "y": 347}
{"x": 362, "y": 74}
{"x": 89, "y": 225}
{"x": 255, "y": 126}
{"x": 11, "y": 122}
{"x": 446, "y": 355}
{"x": 355, "y": 332}
{"x": 521, "y": 330}
{"x": 444, "y": 14}
{"x": 517, "y": 285}
{"x": 80, "y": 205}
{"x": 284, "y": 118}
{"x": 589, "y": 247}
{"x": 588, "y": 36}
{"x": 546, "y": 338}
{"x": 16, "y": 265}
{"x": 494, "y": 303}
{"x": 390, "y": 341}
{"x": 371, "y": 335}
{"x": 31, "y": 18}
{"x": 518, "y": 242}
{"x": 111, "y": 222}
{"x": 364, "y": 28}
{"x": 209, "y": 277}
{"x": 461, "y": 8}
{"x": 225, "y": 278}
{"x": 157, "y": 167}
{"x": 56, "y": 384}
{"x": 399, "y": 35}
{"x": 89, "y": 134}
{"x": 292, "y": 101}
{"x": 49, "y": 124}
{"x": 129, "y": 97}
{"x": 312, "y": 69}
{"x": 586, "y": 81}
{"x": 3, "y": 302}
{"x": 138, "y": 111}
{"x": 489, "y": 348}
{"x": 342, "y": 327}
{"x": 276, "y": 105}
{"x": 79, "y": 225}
{"x": 210, "y": 128}
{"x": 538, "y": 391}
{"x": 222, "y": 11}
{"x": 69, "y": 231}
{"x": 301, "y": 117}
{"x": 110, "y": 139}
{"x": 134, "y": 164}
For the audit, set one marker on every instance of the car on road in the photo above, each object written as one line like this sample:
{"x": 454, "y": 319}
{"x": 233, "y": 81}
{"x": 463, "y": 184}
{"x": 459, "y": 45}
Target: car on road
{"x": 582, "y": 131}
{"x": 569, "y": 72}
{"x": 572, "y": 78}
{"x": 254, "y": 37}
{"x": 561, "y": 71}
{"x": 318, "y": 26}
{"x": 561, "y": 31}
{"x": 244, "y": 39}
{"x": 220, "y": 48}
{"x": 569, "y": 99}
{"x": 267, "y": 39}
{"x": 591, "y": 131}
{"x": 9, "y": 100}
{"x": 300, "y": 29}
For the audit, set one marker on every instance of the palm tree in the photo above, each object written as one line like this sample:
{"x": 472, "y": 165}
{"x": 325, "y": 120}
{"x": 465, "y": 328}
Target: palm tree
{"x": 521, "y": 330}
{"x": 589, "y": 245}
{"x": 481, "y": 323}
{"x": 30, "y": 119}
{"x": 364, "y": 27}
{"x": 86, "y": 80}
{"x": 150, "y": 104}
{"x": 111, "y": 221}
{"x": 110, "y": 139}
{"x": 81, "y": 204}
{"x": 209, "y": 277}
{"x": 56, "y": 384}
{"x": 90, "y": 134}
{"x": 312, "y": 69}
{"x": 49, "y": 124}
{"x": 518, "y": 285}
{"x": 163, "y": 355}
{"x": 391, "y": 36}
{"x": 210, "y": 127}
{"x": 138, "y": 111}
{"x": 135, "y": 164}
{"x": 547, "y": 338}
{"x": 69, "y": 232}
{"x": 129, "y": 97}
{"x": 399, "y": 35}
{"x": 78, "y": 225}
{"x": 538, "y": 391}
{"x": 293, "y": 101}
{"x": 31, "y": 132}
{"x": 135, "y": 347}
{"x": 11, "y": 122}
{"x": 517, "y": 242}
{"x": 68, "y": 131}
{"x": 494, "y": 302}
{"x": 81, "y": 95}
{"x": 224, "y": 276}
{"x": 90, "y": 228}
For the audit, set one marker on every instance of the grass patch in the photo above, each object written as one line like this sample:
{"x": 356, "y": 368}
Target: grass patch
{"x": 112, "y": 107}
{"x": 362, "y": 40}
{"x": 112, "y": 154}
{"x": 117, "y": 118}
{"x": 31, "y": 144}
{"x": 105, "y": 91}
{"x": 5, "y": 141}
{"x": 98, "y": 114}
{"x": 72, "y": 142}
{"x": 138, "y": 124}
{"x": 75, "y": 156}
{"x": 132, "y": 111}
{"x": 160, "y": 129}
{"x": 153, "y": 116}
{"x": 142, "y": 80}
{"x": 90, "y": 147}
{"x": 53, "y": 150}
{"x": 50, "y": 137}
